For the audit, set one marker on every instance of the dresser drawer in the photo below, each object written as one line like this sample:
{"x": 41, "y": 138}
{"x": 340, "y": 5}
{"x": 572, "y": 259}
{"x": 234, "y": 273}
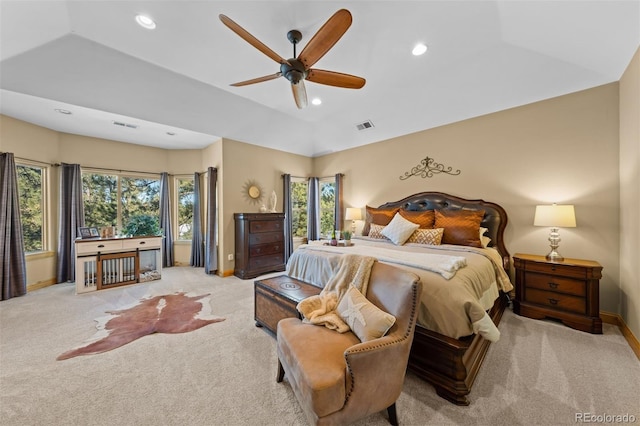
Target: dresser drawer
{"x": 98, "y": 246}
{"x": 264, "y": 249}
{"x": 266, "y": 261}
{"x": 556, "y": 300}
{"x": 265, "y": 226}
{"x": 555, "y": 283}
{"x": 557, "y": 269}
{"x": 142, "y": 243}
{"x": 266, "y": 238}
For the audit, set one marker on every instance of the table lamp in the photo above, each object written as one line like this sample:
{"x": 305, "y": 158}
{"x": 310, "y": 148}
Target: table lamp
{"x": 353, "y": 214}
{"x": 555, "y": 216}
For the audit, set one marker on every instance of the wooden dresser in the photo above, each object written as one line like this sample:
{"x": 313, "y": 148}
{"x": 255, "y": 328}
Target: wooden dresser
{"x": 259, "y": 244}
{"x": 568, "y": 291}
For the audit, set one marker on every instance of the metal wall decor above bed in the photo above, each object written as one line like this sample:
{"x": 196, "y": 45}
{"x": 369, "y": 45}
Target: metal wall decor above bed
{"x": 427, "y": 168}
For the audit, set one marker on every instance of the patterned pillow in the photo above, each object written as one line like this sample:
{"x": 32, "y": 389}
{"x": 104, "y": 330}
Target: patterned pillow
{"x": 461, "y": 227}
{"x": 376, "y": 232}
{"x": 378, "y": 216}
{"x": 365, "y": 319}
{"x": 399, "y": 229}
{"x": 424, "y": 218}
{"x": 431, "y": 237}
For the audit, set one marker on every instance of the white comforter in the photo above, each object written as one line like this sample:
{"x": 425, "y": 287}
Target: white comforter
{"x": 459, "y": 283}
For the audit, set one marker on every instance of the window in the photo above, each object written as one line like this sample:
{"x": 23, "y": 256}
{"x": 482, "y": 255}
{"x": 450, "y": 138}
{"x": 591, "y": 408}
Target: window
{"x": 299, "y": 191}
{"x": 31, "y": 189}
{"x": 111, "y": 199}
{"x": 100, "y": 199}
{"x": 185, "y": 208}
{"x": 327, "y": 205}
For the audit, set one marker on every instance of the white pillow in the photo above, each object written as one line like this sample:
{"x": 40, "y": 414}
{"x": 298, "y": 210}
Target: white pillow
{"x": 399, "y": 229}
{"x": 483, "y": 239}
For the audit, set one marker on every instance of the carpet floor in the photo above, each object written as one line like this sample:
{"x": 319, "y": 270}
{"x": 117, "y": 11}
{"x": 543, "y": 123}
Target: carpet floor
{"x": 540, "y": 372}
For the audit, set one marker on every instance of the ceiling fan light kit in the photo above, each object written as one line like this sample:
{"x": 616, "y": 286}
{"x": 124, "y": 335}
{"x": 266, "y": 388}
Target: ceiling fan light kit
{"x": 298, "y": 69}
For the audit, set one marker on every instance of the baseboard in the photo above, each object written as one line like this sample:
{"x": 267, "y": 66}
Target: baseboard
{"x": 227, "y": 273}
{"x": 616, "y": 319}
{"x": 41, "y": 284}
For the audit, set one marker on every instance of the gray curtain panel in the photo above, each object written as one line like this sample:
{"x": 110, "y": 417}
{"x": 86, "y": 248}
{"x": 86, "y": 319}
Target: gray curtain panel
{"x": 339, "y": 210}
{"x": 313, "y": 209}
{"x": 197, "y": 246}
{"x": 13, "y": 275}
{"x": 71, "y": 216}
{"x": 211, "y": 236}
{"x": 165, "y": 221}
{"x": 287, "y": 208}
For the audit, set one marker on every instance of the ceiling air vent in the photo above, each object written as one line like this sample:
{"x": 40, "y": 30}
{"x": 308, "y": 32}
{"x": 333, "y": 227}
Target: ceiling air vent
{"x": 122, "y": 124}
{"x": 364, "y": 125}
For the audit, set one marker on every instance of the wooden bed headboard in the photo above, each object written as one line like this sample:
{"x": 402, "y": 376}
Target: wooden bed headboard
{"x": 495, "y": 217}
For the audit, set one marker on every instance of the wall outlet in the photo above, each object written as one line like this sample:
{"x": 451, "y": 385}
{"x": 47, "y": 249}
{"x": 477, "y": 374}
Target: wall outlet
{"x": 230, "y": 257}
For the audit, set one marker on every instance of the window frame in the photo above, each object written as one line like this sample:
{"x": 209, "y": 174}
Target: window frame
{"x": 305, "y": 181}
{"x": 45, "y": 203}
{"x": 119, "y": 175}
{"x": 176, "y": 208}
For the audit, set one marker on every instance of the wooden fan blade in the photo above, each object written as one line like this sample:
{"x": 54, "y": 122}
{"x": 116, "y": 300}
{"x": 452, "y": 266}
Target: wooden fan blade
{"x": 257, "y": 80}
{"x": 325, "y": 38}
{"x": 338, "y": 79}
{"x": 299, "y": 94}
{"x": 251, "y": 39}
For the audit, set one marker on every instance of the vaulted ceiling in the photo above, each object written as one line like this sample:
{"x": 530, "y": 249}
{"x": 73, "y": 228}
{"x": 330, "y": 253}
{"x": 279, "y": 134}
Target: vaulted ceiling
{"x": 170, "y": 87}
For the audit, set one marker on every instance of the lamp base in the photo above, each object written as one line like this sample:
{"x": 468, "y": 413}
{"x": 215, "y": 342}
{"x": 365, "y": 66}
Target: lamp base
{"x": 554, "y": 256}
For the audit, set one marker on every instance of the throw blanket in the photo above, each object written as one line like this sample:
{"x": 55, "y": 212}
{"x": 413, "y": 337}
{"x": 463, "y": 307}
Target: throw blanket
{"x": 442, "y": 264}
{"x": 353, "y": 270}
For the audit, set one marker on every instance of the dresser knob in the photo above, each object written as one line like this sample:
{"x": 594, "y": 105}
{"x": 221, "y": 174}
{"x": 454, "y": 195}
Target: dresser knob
{"x": 553, "y": 267}
{"x": 553, "y": 301}
{"x": 553, "y": 285}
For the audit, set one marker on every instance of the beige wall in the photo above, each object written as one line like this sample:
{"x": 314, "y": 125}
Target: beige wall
{"x": 243, "y": 162}
{"x": 630, "y": 195}
{"x": 562, "y": 150}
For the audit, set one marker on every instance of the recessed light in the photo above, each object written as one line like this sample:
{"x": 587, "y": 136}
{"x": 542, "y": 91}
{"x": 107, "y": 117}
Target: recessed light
{"x": 171, "y": 134}
{"x": 419, "y": 49}
{"x": 63, "y": 111}
{"x": 316, "y": 101}
{"x": 145, "y": 22}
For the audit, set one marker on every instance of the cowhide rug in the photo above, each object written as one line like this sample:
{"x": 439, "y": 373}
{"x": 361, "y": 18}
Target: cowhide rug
{"x": 171, "y": 313}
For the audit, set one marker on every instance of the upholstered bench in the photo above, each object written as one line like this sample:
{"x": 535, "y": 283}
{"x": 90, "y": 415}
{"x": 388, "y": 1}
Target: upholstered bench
{"x": 276, "y": 298}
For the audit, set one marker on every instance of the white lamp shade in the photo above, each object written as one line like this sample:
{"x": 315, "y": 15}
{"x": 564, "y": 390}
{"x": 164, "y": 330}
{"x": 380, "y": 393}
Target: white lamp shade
{"x": 560, "y": 216}
{"x": 353, "y": 213}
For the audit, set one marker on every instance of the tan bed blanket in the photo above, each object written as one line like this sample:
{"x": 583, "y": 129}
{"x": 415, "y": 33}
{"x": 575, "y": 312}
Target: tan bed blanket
{"x": 454, "y": 307}
{"x": 352, "y": 269}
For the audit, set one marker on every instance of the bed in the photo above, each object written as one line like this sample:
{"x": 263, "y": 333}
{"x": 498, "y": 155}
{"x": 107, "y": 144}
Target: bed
{"x": 453, "y": 335}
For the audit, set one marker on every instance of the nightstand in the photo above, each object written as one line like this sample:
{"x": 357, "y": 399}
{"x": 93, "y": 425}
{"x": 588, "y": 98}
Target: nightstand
{"x": 568, "y": 291}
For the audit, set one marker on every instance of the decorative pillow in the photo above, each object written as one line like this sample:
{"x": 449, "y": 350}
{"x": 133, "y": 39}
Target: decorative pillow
{"x": 432, "y": 237}
{"x": 378, "y": 216}
{"x": 399, "y": 229}
{"x": 376, "y": 232}
{"x": 365, "y": 319}
{"x": 461, "y": 227}
{"x": 424, "y": 218}
{"x": 484, "y": 240}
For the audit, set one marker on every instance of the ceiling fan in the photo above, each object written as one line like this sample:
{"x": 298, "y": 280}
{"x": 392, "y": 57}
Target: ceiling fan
{"x": 298, "y": 68}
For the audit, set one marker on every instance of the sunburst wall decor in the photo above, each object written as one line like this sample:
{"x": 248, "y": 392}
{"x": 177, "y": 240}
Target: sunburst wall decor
{"x": 252, "y": 191}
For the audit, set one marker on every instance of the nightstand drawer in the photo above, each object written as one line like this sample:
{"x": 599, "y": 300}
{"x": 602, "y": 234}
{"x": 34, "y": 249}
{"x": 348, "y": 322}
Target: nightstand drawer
{"x": 555, "y": 283}
{"x": 557, "y": 269}
{"x": 556, "y": 300}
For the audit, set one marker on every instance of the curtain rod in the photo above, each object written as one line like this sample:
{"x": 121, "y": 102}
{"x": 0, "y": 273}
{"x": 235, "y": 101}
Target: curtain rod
{"x": 308, "y": 177}
{"x": 37, "y": 161}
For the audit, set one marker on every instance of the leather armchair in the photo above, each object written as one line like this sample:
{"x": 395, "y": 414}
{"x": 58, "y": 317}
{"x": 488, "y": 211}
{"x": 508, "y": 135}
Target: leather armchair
{"x": 336, "y": 378}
